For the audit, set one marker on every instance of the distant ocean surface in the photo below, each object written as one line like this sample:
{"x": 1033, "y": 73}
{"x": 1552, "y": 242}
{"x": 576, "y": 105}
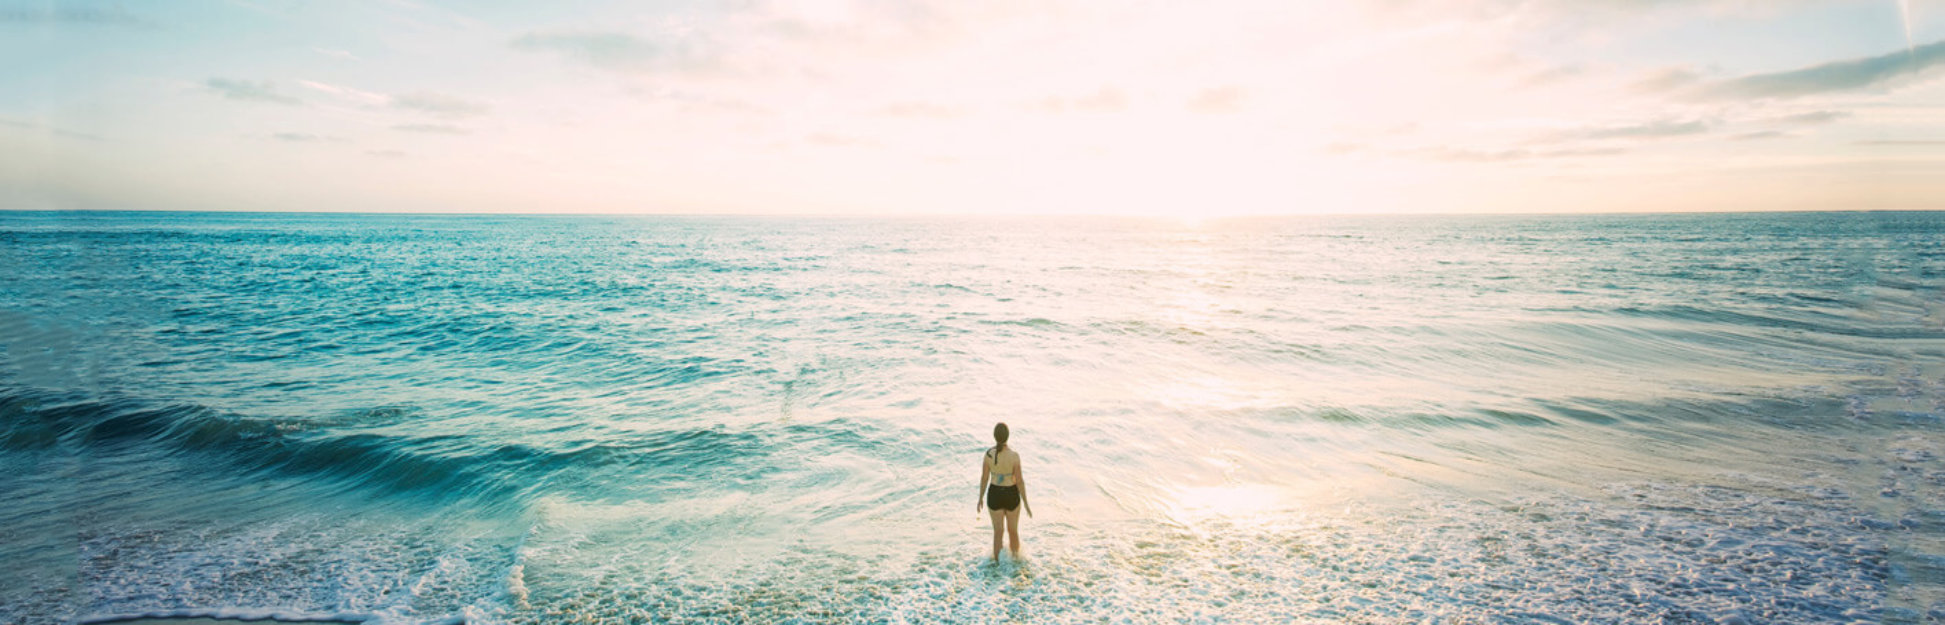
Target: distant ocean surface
{"x": 1545, "y": 419}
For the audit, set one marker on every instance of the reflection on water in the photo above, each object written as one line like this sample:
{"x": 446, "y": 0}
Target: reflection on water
{"x": 1229, "y": 503}
{"x": 539, "y": 420}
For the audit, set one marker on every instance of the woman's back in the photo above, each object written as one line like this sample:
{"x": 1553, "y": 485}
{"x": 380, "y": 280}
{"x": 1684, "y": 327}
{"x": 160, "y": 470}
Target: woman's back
{"x": 1004, "y": 466}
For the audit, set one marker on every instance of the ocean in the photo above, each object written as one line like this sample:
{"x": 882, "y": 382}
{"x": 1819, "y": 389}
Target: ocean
{"x": 585, "y": 419}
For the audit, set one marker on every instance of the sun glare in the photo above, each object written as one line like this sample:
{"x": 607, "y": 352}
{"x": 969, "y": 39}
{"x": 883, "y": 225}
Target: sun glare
{"x": 1208, "y": 392}
{"x": 1229, "y": 502}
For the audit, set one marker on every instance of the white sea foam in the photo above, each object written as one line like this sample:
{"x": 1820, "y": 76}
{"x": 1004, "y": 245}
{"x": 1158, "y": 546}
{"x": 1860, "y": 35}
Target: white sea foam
{"x": 1641, "y": 552}
{"x": 280, "y": 616}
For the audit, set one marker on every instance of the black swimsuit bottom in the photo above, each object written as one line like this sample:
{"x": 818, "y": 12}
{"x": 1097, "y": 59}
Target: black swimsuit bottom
{"x": 1002, "y": 497}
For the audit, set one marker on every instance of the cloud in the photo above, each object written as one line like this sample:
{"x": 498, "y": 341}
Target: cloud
{"x": 437, "y": 104}
{"x": 1552, "y": 75}
{"x": 1666, "y": 79}
{"x": 622, "y": 52}
{"x": 1779, "y": 127}
{"x": 427, "y": 102}
{"x": 1811, "y": 118}
{"x": 926, "y": 110}
{"x": 116, "y": 16}
{"x": 1579, "y": 13}
{"x": 696, "y": 101}
{"x": 1463, "y": 155}
{"x": 299, "y": 137}
{"x": 1903, "y": 142}
{"x": 1218, "y": 100}
{"x": 437, "y": 129}
{"x": 1106, "y": 100}
{"x": 355, "y": 95}
{"x": 1657, "y": 129}
{"x": 838, "y": 141}
{"x": 58, "y": 132}
{"x": 1649, "y": 130}
{"x": 249, "y": 90}
{"x": 1760, "y": 135}
{"x": 1883, "y": 71}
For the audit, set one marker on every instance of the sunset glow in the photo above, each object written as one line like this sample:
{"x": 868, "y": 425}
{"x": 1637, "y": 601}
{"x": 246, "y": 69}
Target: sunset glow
{"x": 1185, "y": 110}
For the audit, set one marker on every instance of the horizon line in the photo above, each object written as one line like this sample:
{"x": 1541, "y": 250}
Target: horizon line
{"x": 1171, "y": 218}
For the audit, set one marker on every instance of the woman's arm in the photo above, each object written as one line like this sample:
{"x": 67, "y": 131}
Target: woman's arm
{"x": 985, "y": 473}
{"x": 1020, "y": 480}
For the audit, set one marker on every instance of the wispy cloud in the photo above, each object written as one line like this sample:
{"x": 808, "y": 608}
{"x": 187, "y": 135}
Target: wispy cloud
{"x": 337, "y": 54}
{"x": 1667, "y": 79}
{"x": 436, "y": 129}
{"x": 1464, "y": 155}
{"x": 58, "y": 132}
{"x": 1226, "y": 99}
{"x": 624, "y": 52}
{"x": 1760, "y": 135}
{"x": 1105, "y": 100}
{"x": 1554, "y": 74}
{"x": 925, "y": 110}
{"x": 356, "y": 96}
{"x": 1649, "y": 130}
{"x": 839, "y": 141}
{"x": 1812, "y": 118}
{"x": 427, "y": 102}
{"x": 1904, "y": 142}
{"x": 438, "y": 104}
{"x": 249, "y": 90}
{"x": 1883, "y": 71}
{"x": 297, "y": 137}
{"x": 1638, "y": 131}
{"x": 115, "y": 16}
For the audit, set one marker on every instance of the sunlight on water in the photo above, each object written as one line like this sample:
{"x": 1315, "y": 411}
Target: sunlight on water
{"x": 543, "y": 420}
{"x": 1210, "y": 393}
{"x": 1234, "y": 503}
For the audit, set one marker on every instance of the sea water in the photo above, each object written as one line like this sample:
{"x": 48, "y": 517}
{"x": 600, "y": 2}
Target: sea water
{"x": 1547, "y": 419}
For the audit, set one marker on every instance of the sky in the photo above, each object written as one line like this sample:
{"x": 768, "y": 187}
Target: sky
{"x": 1189, "y": 109}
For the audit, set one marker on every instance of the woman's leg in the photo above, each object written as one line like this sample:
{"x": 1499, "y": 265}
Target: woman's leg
{"x": 999, "y": 524}
{"x": 1012, "y": 531}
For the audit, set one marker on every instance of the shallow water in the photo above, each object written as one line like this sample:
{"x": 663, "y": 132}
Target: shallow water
{"x": 543, "y": 419}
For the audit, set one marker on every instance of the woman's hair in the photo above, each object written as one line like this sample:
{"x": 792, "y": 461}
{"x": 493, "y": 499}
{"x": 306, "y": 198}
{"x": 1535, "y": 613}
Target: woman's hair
{"x": 999, "y": 435}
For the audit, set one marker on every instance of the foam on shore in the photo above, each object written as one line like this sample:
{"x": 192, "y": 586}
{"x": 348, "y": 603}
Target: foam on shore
{"x": 235, "y": 616}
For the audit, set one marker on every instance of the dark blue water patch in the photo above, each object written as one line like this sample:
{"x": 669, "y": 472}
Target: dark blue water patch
{"x": 1664, "y": 417}
{"x": 1515, "y": 418}
{"x": 1572, "y": 410}
{"x": 360, "y": 450}
{"x": 1392, "y": 419}
{"x": 89, "y": 426}
{"x": 1743, "y": 319}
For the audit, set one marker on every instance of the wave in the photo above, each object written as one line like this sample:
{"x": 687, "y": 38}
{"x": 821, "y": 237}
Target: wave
{"x": 357, "y": 451}
{"x": 1743, "y": 319}
{"x": 267, "y": 615}
{"x": 71, "y": 423}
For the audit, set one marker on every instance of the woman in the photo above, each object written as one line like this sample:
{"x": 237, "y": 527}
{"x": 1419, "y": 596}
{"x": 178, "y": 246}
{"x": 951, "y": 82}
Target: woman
{"x": 1002, "y": 491}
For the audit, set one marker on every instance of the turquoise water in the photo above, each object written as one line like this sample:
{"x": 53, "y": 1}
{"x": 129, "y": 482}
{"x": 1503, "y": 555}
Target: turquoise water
{"x": 662, "y": 419}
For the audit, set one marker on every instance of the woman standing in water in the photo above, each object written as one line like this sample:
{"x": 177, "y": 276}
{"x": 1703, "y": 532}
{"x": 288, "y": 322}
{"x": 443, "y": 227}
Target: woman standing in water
{"x": 1003, "y": 491}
